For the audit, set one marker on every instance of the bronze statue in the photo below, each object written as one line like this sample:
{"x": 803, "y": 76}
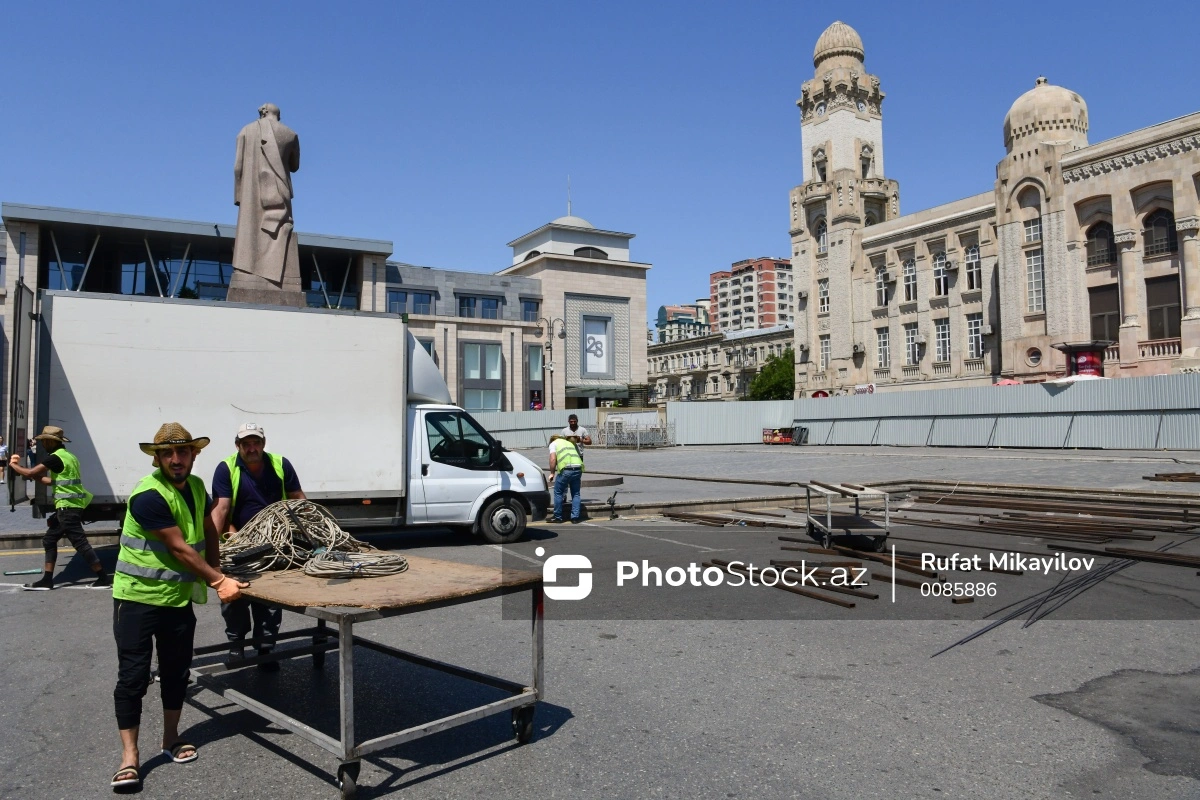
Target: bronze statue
{"x": 266, "y": 262}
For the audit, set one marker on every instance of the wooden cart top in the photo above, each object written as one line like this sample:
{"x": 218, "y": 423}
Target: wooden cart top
{"x": 426, "y": 583}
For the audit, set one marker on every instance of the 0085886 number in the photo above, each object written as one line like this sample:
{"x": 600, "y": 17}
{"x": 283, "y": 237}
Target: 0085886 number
{"x": 937, "y": 589}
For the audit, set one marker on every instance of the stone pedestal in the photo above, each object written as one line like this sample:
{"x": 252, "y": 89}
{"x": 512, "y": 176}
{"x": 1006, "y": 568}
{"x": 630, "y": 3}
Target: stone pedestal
{"x": 267, "y": 297}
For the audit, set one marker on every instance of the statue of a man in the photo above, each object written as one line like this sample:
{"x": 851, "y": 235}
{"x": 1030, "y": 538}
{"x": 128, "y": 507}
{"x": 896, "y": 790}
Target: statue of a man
{"x": 266, "y": 262}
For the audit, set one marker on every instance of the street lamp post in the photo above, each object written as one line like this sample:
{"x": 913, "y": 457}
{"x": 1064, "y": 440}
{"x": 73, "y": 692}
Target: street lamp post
{"x": 548, "y": 364}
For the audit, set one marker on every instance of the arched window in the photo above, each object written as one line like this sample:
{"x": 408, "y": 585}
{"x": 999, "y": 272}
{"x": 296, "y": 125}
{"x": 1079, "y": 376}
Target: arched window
{"x": 941, "y": 281}
{"x": 533, "y": 254}
{"x": 1030, "y": 202}
{"x": 1100, "y": 249}
{"x": 910, "y": 280}
{"x": 869, "y": 219}
{"x": 822, "y": 237}
{"x": 590, "y": 252}
{"x": 973, "y": 268}
{"x": 1159, "y": 231}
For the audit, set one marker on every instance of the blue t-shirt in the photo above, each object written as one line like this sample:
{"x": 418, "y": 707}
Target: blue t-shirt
{"x": 151, "y": 511}
{"x": 254, "y": 494}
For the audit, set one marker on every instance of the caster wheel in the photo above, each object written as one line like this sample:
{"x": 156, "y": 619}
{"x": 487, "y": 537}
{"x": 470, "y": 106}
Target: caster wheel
{"x": 522, "y": 722}
{"x": 348, "y": 780}
{"x": 827, "y": 542}
{"x": 880, "y": 544}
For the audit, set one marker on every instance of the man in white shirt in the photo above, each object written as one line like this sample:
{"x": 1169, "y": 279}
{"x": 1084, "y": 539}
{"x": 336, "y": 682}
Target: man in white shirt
{"x": 573, "y": 429}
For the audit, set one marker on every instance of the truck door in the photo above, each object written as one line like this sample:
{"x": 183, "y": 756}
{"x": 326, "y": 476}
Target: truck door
{"x": 458, "y": 466}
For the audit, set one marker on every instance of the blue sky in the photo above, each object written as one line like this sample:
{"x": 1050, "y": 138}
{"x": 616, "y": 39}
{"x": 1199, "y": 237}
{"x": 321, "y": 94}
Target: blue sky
{"x": 450, "y": 127}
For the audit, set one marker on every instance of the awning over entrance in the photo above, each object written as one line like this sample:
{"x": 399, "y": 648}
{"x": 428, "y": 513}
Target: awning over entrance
{"x": 599, "y": 392}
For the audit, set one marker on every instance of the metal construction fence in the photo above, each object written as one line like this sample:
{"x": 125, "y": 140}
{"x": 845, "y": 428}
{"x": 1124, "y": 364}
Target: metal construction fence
{"x": 1161, "y": 412}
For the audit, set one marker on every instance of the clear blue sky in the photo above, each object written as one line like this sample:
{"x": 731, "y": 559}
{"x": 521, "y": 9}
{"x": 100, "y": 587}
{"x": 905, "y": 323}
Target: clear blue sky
{"x": 450, "y": 127}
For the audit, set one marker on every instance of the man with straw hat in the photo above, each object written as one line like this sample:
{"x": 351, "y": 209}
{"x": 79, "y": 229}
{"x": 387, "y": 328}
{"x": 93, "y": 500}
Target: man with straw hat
{"x": 168, "y": 545}
{"x": 70, "y": 499}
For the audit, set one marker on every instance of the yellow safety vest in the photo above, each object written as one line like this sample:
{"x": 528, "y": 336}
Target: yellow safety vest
{"x": 566, "y": 454}
{"x": 146, "y": 571}
{"x": 68, "y": 486}
{"x": 235, "y": 475}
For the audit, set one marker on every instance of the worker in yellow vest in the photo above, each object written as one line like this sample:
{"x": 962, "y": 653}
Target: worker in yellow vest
{"x": 168, "y": 546}
{"x": 60, "y": 470}
{"x": 566, "y": 464}
{"x": 243, "y": 485}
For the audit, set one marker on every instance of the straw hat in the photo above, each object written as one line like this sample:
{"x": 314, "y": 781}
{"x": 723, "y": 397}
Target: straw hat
{"x": 52, "y": 432}
{"x": 172, "y": 434}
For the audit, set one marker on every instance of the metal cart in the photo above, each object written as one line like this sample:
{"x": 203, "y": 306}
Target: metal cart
{"x": 824, "y": 526}
{"x": 337, "y": 605}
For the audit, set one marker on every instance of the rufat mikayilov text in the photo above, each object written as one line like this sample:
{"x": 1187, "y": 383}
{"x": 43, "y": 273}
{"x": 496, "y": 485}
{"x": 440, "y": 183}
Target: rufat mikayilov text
{"x": 957, "y": 562}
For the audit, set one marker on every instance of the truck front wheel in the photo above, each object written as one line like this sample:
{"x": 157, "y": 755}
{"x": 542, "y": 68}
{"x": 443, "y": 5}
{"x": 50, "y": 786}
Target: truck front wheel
{"x": 503, "y": 520}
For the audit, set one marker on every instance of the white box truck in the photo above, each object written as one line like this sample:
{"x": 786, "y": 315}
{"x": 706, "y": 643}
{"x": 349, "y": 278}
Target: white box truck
{"x": 351, "y": 398}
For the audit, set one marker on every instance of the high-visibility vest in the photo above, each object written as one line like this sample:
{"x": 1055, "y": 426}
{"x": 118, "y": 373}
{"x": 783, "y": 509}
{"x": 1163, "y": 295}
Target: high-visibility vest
{"x": 566, "y": 454}
{"x": 235, "y": 475}
{"x": 146, "y": 570}
{"x": 68, "y": 486}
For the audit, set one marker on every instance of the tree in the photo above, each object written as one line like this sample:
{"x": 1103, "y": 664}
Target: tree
{"x": 777, "y": 378}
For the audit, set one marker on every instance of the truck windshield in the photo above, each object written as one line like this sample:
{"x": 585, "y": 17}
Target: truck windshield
{"x": 456, "y": 439}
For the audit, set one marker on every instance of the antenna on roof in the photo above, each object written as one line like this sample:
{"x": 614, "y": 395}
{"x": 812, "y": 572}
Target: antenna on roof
{"x": 568, "y": 195}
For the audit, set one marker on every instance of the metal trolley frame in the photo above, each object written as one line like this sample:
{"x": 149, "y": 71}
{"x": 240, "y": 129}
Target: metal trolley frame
{"x": 334, "y": 630}
{"x": 824, "y": 527}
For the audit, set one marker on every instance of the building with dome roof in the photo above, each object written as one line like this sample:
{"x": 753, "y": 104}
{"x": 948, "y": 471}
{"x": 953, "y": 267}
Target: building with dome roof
{"x": 1081, "y": 258}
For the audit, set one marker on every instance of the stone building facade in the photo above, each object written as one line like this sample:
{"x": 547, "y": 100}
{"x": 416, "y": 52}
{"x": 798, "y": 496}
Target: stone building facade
{"x": 717, "y": 366}
{"x": 1075, "y": 245}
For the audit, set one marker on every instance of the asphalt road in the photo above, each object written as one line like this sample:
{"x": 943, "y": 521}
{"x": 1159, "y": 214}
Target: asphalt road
{"x": 780, "y": 704}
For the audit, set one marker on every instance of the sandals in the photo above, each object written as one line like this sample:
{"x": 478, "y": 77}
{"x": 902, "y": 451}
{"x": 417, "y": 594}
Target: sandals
{"x": 126, "y": 783}
{"x": 179, "y": 747}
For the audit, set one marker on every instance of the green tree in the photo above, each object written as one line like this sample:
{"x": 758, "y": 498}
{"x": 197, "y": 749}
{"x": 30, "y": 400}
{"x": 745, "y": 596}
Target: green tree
{"x": 777, "y": 378}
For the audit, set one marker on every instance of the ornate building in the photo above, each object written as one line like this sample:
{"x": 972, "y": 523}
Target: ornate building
{"x": 1075, "y": 246}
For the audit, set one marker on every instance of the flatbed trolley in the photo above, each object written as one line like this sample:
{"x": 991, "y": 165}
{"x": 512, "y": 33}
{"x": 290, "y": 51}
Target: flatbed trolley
{"x": 824, "y": 526}
{"x": 339, "y": 604}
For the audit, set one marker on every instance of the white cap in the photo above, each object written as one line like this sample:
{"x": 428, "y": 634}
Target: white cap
{"x": 251, "y": 429}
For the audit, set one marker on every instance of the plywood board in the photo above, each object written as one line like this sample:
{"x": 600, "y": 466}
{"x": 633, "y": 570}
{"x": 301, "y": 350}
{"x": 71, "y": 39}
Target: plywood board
{"x": 427, "y": 580}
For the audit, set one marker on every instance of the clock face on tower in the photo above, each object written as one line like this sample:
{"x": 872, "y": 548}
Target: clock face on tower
{"x": 862, "y": 106}
{"x": 820, "y": 109}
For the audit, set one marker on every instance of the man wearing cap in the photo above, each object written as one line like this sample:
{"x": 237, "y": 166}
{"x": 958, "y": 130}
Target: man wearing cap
{"x": 243, "y": 485}
{"x": 168, "y": 546}
{"x": 70, "y": 499}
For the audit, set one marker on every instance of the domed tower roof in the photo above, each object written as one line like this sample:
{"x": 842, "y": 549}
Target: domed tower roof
{"x": 1051, "y": 113}
{"x": 839, "y": 39}
{"x": 573, "y": 221}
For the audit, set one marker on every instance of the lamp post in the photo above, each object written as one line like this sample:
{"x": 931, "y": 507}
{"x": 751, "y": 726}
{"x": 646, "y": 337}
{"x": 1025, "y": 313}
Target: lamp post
{"x": 548, "y": 363}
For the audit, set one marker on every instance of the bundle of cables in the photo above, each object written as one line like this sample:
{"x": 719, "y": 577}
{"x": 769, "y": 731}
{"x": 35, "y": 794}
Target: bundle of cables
{"x": 299, "y": 534}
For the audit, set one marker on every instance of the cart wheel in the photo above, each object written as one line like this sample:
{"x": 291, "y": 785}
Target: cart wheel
{"x": 522, "y": 722}
{"x": 826, "y": 541}
{"x": 880, "y": 544}
{"x": 348, "y": 779}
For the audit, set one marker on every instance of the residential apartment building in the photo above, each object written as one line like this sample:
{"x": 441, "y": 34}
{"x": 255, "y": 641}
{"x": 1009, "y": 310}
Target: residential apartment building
{"x": 683, "y": 322}
{"x": 754, "y": 293}
{"x": 715, "y": 366}
{"x": 561, "y": 327}
{"x": 1081, "y": 252}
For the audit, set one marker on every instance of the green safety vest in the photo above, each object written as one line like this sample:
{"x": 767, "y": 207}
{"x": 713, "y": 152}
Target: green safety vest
{"x": 68, "y": 487}
{"x": 146, "y": 570}
{"x": 566, "y": 454}
{"x": 235, "y": 474}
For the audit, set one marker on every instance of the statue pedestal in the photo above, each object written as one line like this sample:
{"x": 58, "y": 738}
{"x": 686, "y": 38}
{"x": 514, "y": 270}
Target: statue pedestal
{"x": 267, "y": 297}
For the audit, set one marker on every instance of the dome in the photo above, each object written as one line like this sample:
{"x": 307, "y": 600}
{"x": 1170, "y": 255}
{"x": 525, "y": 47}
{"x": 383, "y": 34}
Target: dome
{"x": 1054, "y": 113}
{"x": 839, "y": 39}
{"x": 573, "y": 221}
